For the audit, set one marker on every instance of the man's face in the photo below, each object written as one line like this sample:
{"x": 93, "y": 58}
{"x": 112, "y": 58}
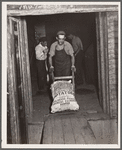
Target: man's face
{"x": 61, "y": 39}
{"x": 44, "y": 43}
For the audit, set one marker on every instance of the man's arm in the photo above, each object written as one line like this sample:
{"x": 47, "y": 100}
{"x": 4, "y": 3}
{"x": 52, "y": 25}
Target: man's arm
{"x": 51, "y": 65}
{"x": 73, "y": 63}
{"x": 71, "y": 53}
{"x": 77, "y": 52}
{"x": 73, "y": 60}
{"x": 50, "y": 60}
{"x": 80, "y": 47}
{"x": 51, "y": 54}
{"x": 77, "y": 45}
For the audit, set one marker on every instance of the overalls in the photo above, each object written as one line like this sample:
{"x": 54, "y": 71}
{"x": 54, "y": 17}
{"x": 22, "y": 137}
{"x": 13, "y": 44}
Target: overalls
{"x": 62, "y": 66}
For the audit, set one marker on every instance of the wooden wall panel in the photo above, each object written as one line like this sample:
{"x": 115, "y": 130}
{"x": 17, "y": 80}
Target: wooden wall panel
{"x": 12, "y": 92}
{"x": 112, "y": 22}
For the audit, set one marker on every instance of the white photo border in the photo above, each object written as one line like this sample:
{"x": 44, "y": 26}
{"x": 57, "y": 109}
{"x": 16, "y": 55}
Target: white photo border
{"x": 4, "y": 80}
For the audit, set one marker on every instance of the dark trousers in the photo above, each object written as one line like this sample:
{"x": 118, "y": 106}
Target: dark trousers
{"x": 41, "y": 74}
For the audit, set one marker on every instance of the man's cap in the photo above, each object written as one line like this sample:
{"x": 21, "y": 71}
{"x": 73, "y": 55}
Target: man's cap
{"x": 61, "y": 33}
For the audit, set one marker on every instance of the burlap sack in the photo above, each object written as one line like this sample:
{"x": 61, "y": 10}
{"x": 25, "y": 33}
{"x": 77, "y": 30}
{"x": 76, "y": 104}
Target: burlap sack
{"x": 63, "y": 97}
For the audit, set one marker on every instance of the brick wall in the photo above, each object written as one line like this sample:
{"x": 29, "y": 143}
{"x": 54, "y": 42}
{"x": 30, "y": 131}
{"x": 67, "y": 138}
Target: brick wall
{"x": 112, "y": 23}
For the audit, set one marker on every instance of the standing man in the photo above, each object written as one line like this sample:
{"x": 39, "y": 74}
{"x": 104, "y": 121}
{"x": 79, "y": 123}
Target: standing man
{"x": 79, "y": 54}
{"x": 41, "y": 56}
{"x": 63, "y": 56}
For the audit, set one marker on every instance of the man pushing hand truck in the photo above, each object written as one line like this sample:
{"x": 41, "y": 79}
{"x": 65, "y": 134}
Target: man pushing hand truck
{"x": 63, "y": 71}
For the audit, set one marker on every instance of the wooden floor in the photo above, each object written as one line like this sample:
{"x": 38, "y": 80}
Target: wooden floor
{"x": 88, "y": 126}
{"x": 35, "y": 133}
{"x": 105, "y": 131}
{"x": 74, "y": 129}
{"x": 67, "y": 129}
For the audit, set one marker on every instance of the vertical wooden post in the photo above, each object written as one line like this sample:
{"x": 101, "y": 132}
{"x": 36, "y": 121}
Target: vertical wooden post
{"x": 28, "y": 71}
{"x": 107, "y": 61}
{"x": 106, "y": 64}
{"x": 102, "y": 55}
{"x": 98, "y": 56}
{"x": 12, "y": 92}
{"x": 25, "y": 103}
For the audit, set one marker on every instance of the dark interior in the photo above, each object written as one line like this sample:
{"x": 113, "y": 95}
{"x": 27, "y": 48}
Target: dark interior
{"x": 81, "y": 25}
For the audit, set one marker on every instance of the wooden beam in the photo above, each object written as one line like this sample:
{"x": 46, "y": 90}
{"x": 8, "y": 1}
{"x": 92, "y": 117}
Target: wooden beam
{"x": 24, "y": 10}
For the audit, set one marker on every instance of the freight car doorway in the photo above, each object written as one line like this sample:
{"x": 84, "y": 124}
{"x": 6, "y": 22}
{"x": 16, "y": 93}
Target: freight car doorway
{"x": 82, "y": 25}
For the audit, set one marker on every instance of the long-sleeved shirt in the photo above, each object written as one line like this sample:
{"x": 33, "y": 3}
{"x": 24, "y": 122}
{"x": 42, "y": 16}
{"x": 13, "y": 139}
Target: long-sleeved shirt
{"x": 67, "y": 47}
{"x": 77, "y": 44}
{"x": 40, "y": 54}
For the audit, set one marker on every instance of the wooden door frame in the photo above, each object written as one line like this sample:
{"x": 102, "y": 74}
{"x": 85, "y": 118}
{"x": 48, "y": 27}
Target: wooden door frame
{"x": 102, "y": 57}
{"x": 12, "y": 90}
{"x": 25, "y": 110}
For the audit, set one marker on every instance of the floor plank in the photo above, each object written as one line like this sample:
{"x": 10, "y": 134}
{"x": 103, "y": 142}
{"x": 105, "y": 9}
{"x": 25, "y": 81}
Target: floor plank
{"x": 109, "y": 131}
{"x": 58, "y": 131}
{"x": 67, "y": 130}
{"x": 48, "y": 132}
{"x": 73, "y": 129}
{"x": 114, "y": 130}
{"x": 105, "y": 131}
{"x": 87, "y": 133}
{"x": 97, "y": 127}
{"x": 76, "y": 129}
{"x": 35, "y": 132}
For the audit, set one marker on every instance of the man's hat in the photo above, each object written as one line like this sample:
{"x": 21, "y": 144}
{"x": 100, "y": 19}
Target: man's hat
{"x": 61, "y": 33}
